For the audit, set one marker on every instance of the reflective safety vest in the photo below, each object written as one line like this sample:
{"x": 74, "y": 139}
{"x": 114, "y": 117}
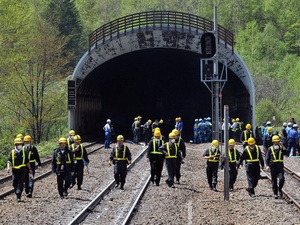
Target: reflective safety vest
{"x": 215, "y": 158}
{"x": 117, "y": 154}
{"x": 13, "y": 160}
{"x": 232, "y": 160}
{"x": 81, "y": 148}
{"x": 29, "y": 155}
{"x": 280, "y": 157}
{"x": 245, "y": 135}
{"x": 154, "y": 148}
{"x": 250, "y": 154}
{"x": 58, "y": 162}
{"x": 169, "y": 156}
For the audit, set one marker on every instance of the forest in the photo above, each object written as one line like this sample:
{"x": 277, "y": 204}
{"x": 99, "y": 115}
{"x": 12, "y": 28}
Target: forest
{"x": 41, "y": 42}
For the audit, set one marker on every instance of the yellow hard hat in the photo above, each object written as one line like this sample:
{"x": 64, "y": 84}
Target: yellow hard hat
{"x": 161, "y": 121}
{"x": 120, "y": 137}
{"x": 62, "y": 140}
{"x": 176, "y": 119}
{"x": 270, "y": 129}
{"x": 172, "y": 135}
{"x": 237, "y": 119}
{"x": 156, "y": 128}
{"x": 157, "y": 133}
{"x": 251, "y": 141}
{"x": 233, "y": 120}
{"x": 77, "y": 138}
{"x": 18, "y": 141}
{"x": 19, "y": 136}
{"x": 215, "y": 143}
{"x": 176, "y": 132}
{"x": 179, "y": 118}
{"x": 231, "y": 142}
{"x": 248, "y": 126}
{"x": 149, "y": 121}
{"x": 27, "y": 138}
{"x": 275, "y": 138}
{"x": 72, "y": 132}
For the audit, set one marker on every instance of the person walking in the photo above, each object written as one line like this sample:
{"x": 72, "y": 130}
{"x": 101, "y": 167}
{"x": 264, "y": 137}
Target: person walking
{"x": 80, "y": 160}
{"x": 274, "y": 162}
{"x": 107, "y": 132}
{"x": 63, "y": 167}
{"x": 147, "y": 131}
{"x": 171, "y": 152}
{"x": 212, "y": 155}
{"x": 155, "y": 157}
{"x": 70, "y": 139}
{"x": 16, "y": 163}
{"x": 34, "y": 157}
{"x": 120, "y": 157}
{"x": 246, "y": 134}
{"x": 253, "y": 157}
{"x": 182, "y": 154}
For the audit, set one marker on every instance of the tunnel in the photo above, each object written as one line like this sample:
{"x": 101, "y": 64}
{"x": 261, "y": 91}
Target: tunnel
{"x": 153, "y": 81}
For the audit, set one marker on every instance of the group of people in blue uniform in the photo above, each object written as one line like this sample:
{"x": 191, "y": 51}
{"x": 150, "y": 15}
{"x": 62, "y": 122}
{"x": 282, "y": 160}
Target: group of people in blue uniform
{"x": 202, "y": 130}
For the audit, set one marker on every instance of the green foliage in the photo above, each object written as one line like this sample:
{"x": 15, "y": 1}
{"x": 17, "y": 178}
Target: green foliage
{"x": 266, "y": 110}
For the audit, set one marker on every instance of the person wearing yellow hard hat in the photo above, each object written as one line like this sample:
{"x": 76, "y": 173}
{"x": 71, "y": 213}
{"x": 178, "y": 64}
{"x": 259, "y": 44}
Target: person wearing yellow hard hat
{"x": 136, "y": 129}
{"x": 181, "y": 156}
{"x": 267, "y": 139}
{"x": 155, "y": 157}
{"x": 178, "y": 124}
{"x": 246, "y": 134}
{"x": 253, "y": 157}
{"x": 147, "y": 131}
{"x": 171, "y": 152}
{"x": 63, "y": 167}
{"x": 212, "y": 156}
{"x": 233, "y": 156}
{"x": 120, "y": 156}
{"x": 274, "y": 161}
{"x": 70, "y": 139}
{"x": 80, "y": 160}
{"x": 17, "y": 163}
{"x": 34, "y": 158}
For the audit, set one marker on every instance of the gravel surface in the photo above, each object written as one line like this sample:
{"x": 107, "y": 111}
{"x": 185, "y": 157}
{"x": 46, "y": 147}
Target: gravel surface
{"x": 191, "y": 202}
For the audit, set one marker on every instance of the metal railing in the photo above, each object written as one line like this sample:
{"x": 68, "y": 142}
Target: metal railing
{"x": 153, "y": 20}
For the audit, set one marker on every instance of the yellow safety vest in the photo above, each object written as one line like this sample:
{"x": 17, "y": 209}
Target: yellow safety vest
{"x": 154, "y": 148}
{"x": 214, "y": 159}
{"x": 250, "y": 155}
{"x": 117, "y": 154}
{"x": 280, "y": 158}
{"x": 13, "y": 160}
{"x": 81, "y": 148}
{"x": 29, "y": 155}
{"x": 245, "y": 136}
{"x": 58, "y": 162}
{"x": 168, "y": 149}
{"x": 232, "y": 160}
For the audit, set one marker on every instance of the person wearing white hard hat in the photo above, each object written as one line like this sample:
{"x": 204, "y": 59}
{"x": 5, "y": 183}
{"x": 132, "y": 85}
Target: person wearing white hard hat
{"x": 283, "y": 135}
{"x": 107, "y": 132}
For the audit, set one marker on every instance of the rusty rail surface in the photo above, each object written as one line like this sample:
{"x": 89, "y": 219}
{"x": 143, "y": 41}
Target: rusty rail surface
{"x": 154, "y": 20}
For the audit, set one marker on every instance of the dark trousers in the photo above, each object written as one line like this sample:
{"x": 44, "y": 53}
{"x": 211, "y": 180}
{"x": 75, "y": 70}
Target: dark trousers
{"x": 292, "y": 147}
{"x": 29, "y": 183}
{"x": 277, "y": 171}
{"x": 232, "y": 174}
{"x": 212, "y": 173}
{"x": 18, "y": 178}
{"x": 171, "y": 164}
{"x": 253, "y": 175}
{"x": 78, "y": 173}
{"x": 156, "y": 165}
{"x": 63, "y": 182}
{"x": 178, "y": 167}
{"x": 120, "y": 172}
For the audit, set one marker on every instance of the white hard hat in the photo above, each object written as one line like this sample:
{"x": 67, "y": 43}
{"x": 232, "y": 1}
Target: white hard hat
{"x": 108, "y": 120}
{"x": 269, "y": 122}
{"x": 284, "y": 124}
{"x": 196, "y": 120}
{"x": 290, "y": 124}
{"x": 295, "y": 125}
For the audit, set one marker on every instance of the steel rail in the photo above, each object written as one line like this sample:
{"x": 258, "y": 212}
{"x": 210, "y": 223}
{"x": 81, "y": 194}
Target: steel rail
{"x": 96, "y": 201}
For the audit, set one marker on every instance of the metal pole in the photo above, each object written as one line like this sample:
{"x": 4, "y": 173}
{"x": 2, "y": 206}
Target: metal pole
{"x": 226, "y": 168}
{"x": 216, "y": 83}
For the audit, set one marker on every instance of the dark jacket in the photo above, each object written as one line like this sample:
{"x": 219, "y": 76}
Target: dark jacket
{"x": 62, "y": 161}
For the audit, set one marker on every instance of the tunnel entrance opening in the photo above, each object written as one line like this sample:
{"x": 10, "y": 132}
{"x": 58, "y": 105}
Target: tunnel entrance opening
{"x": 158, "y": 83}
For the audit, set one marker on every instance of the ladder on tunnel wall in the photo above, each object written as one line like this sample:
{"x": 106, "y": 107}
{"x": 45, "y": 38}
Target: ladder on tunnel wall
{"x": 215, "y": 83}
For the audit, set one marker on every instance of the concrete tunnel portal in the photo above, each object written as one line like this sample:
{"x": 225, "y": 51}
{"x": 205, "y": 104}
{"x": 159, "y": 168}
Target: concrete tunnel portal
{"x": 153, "y": 82}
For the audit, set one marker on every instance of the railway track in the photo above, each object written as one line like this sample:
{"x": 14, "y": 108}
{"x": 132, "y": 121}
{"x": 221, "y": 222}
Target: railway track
{"x": 4, "y": 182}
{"x": 108, "y": 197}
